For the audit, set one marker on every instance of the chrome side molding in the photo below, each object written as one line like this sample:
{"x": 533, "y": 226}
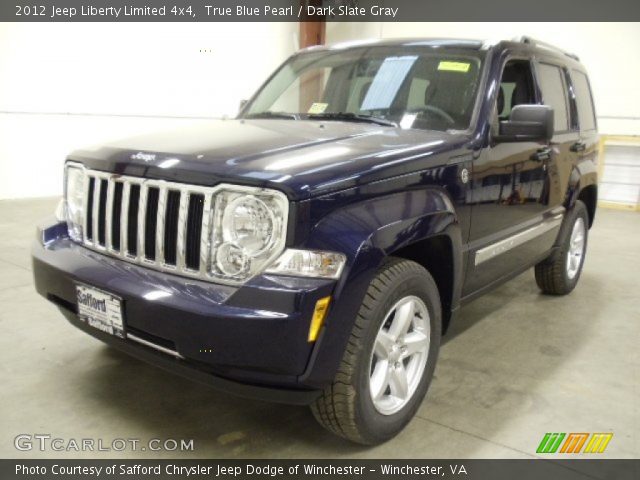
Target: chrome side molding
{"x": 509, "y": 243}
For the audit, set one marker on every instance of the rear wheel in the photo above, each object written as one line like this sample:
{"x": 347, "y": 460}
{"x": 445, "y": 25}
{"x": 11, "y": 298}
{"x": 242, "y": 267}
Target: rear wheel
{"x": 559, "y": 274}
{"x": 390, "y": 357}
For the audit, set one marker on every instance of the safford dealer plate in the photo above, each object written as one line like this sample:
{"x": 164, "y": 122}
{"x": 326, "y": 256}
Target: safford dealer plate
{"x": 100, "y": 309}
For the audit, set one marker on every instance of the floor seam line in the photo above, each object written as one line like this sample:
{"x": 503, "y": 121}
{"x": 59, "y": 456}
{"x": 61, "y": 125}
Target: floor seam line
{"x": 9, "y": 287}
{"x": 9, "y": 262}
{"x": 476, "y": 436}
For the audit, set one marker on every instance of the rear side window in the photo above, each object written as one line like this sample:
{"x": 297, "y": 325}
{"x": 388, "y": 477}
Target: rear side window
{"x": 554, "y": 94}
{"x": 586, "y": 113}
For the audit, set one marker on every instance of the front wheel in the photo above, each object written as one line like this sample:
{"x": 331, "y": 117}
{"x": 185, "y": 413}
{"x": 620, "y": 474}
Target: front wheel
{"x": 559, "y": 274}
{"x": 390, "y": 358}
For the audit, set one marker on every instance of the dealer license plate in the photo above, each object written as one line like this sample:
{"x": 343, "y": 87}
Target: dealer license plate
{"x": 100, "y": 309}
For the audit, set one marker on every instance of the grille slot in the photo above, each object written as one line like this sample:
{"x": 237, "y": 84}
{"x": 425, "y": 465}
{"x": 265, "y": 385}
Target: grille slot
{"x": 132, "y": 220}
{"x": 156, "y": 223}
{"x": 116, "y": 214}
{"x": 102, "y": 213}
{"x": 171, "y": 227}
{"x": 151, "y": 222}
{"x": 194, "y": 231}
{"x": 90, "y": 190}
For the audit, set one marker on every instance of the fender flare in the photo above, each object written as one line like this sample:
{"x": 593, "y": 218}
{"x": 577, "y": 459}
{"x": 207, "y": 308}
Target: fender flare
{"x": 368, "y": 232}
{"x": 582, "y": 175}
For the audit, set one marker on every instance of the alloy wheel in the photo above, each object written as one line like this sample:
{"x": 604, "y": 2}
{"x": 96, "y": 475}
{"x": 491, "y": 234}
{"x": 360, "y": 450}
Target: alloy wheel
{"x": 399, "y": 355}
{"x": 576, "y": 248}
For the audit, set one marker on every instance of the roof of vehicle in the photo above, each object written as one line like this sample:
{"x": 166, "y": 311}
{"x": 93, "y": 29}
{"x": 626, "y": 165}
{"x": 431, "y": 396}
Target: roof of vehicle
{"x": 524, "y": 42}
{"x": 427, "y": 42}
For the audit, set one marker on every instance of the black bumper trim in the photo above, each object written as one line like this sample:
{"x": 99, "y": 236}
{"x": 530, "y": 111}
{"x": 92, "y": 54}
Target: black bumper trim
{"x": 180, "y": 367}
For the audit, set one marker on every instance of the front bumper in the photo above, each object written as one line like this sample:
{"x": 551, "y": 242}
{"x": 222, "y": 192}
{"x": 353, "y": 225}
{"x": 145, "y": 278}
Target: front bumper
{"x": 249, "y": 340}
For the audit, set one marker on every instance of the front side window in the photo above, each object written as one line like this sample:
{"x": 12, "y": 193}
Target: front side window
{"x": 413, "y": 87}
{"x": 516, "y": 87}
{"x": 554, "y": 94}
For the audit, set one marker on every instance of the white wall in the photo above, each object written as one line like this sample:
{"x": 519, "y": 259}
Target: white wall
{"x": 608, "y": 50}
{"x": 63, "y": 86}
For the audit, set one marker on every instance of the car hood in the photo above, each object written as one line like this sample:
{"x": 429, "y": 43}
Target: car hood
{"x": 301, "y": 158}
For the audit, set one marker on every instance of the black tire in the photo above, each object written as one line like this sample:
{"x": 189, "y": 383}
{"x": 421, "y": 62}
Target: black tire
{"x": 345, "y": 407}
{"x": 552, "y": 274}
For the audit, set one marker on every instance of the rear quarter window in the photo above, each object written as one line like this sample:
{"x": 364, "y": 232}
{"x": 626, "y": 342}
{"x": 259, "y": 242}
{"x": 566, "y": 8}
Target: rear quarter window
{"x": 584, "y": 101}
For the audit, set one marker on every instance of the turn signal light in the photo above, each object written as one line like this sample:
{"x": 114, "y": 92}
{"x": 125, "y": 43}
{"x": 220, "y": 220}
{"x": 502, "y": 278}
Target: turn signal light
{"x": 317, "y": 320}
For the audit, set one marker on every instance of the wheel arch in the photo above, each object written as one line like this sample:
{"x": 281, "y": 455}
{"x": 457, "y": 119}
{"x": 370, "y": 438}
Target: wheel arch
{"x": 589, "y": 196}
{"x": 413, "y": 225}
{"x": 583, "y": 186}
{"x": 436, "y": 255}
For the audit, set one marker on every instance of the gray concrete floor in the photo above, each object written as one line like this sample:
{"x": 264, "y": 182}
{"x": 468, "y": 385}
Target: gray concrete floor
{"x": 515, "y": 365}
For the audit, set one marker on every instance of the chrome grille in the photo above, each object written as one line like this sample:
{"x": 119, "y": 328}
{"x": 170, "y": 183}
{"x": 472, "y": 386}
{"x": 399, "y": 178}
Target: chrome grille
{"x": 160, "y": 224}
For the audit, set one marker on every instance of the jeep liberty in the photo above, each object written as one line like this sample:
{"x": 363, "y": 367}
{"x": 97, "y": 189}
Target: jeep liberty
{"x": 314, "y": 249}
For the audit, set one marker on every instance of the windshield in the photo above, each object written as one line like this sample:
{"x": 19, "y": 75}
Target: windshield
{"x": 410, "y": 87}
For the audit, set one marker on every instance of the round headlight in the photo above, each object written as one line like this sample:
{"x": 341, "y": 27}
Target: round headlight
{"x": 249, "y": 223}
{"x": 75, "y": 201}
{"x": 248, "y": 231}
{"x": 75, "y": 192}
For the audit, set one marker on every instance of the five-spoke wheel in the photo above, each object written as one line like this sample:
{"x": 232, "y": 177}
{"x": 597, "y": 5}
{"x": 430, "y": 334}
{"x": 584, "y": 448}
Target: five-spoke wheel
{"x": 576, "y": 248}
{"x": 399, "y": 355}
{"x": 390, "y": 357}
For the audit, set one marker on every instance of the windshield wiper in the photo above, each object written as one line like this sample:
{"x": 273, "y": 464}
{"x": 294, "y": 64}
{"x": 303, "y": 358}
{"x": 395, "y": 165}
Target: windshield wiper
{"x": 270, "y": 114}
{"x": 352, "y": 117}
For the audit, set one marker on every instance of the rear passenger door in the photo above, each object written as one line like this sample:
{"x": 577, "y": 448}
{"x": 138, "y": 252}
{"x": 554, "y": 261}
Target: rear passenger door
{"x": 553, "y": 82}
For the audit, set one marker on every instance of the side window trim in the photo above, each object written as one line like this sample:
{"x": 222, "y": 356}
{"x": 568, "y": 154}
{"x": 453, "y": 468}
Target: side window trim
{"x": 574, "y": 123}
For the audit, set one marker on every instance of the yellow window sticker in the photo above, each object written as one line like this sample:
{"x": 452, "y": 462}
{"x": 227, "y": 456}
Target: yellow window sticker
{"x": 454, "y": 66}
{"x": 317, "y": 107}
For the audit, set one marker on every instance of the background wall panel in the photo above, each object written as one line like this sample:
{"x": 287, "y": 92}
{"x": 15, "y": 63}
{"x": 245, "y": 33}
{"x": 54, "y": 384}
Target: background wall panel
{"x": 63, "y": 86}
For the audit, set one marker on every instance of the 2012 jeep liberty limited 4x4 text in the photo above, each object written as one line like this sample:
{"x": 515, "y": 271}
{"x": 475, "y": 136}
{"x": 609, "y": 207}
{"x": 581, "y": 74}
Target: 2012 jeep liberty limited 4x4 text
{"x": 314, "y": 249}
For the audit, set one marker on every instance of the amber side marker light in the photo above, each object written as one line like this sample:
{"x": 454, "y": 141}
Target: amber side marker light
{"x": 317, "y": 320}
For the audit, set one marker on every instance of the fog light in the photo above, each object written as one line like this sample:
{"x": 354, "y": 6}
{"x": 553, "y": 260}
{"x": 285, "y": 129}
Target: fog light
{"x": 317, "y": 320}
{"x": 231, "y": 259}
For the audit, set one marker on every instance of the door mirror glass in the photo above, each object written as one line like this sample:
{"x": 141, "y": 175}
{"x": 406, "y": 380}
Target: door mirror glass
{"x": 527, "y": 123}
{"x": 243, "y": 103}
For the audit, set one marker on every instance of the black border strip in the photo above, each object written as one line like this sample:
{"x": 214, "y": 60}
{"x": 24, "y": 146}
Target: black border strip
{"x": 330, "y": 10}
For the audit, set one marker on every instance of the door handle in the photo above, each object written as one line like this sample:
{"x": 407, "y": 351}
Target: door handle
{"x": 578, "y": 147}
{"x": 541, "y": 154}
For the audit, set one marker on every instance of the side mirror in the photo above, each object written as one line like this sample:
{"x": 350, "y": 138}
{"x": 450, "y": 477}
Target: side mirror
{"x": 243, "y": 103}
{"x": 527, "y": 123}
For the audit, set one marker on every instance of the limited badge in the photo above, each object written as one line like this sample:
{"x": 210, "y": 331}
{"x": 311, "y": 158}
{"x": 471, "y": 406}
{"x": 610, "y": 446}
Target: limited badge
{"x": 464, "y": 175}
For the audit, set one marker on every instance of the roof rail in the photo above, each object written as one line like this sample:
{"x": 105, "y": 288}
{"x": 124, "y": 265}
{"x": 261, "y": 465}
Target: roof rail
{"x": 548, "y": 46}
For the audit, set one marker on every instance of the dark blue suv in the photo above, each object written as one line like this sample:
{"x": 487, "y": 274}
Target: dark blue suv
{"x": 314, "y": 249}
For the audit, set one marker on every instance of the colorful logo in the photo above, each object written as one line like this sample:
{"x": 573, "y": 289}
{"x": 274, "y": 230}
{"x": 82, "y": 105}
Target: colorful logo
{"x": 574, "y": 442}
